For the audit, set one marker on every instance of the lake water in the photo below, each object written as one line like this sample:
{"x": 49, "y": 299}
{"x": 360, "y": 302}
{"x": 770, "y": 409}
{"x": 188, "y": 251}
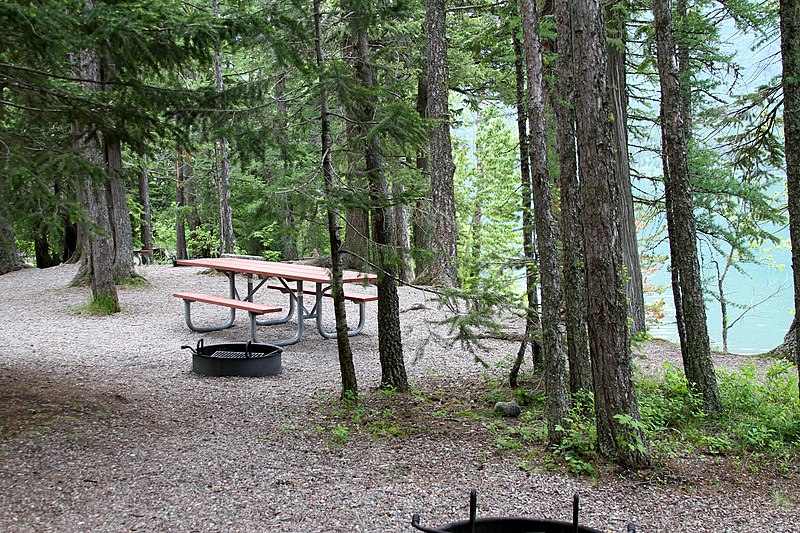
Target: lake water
{"x": 761, "y": 329}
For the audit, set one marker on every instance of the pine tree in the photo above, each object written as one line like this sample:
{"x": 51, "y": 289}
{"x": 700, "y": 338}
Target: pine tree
{"x": 790, "y": 53}
{"x": 546, "y": 230}
{"x": 697, "y": 362}
{"x": 619, "y": 430}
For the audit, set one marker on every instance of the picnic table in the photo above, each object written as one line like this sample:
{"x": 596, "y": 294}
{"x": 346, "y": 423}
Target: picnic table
{"x": 291, "y": 279}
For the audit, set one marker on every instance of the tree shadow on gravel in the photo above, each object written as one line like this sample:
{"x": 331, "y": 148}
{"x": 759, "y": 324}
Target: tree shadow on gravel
{"x": 31, "y": 404}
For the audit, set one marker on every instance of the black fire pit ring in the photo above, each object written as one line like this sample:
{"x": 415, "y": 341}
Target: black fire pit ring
{"x": 509, "y": 524}
{"x": 247, "y": 359}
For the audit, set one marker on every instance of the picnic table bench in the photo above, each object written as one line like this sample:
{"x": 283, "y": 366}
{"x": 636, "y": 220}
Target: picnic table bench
{"x": 253, "y": 309}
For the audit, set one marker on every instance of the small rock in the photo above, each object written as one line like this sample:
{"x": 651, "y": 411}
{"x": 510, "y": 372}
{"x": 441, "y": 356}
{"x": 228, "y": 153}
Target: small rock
{"x": 511, "y": 408}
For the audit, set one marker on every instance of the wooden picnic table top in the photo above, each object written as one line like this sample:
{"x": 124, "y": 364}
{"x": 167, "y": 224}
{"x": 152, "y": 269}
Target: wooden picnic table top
{"x": 289, "y": 271}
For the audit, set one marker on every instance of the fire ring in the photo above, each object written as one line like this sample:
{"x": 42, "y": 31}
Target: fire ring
{"x": 248, "y": 359}
{"x": 509, "y": 524}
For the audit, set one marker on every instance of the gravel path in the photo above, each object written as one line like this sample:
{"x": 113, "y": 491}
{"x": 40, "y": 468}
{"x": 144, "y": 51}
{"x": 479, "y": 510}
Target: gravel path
{"x": 107, "y": 429}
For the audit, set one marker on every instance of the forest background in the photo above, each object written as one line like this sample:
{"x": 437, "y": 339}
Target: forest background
{"x": 288, "y": 130}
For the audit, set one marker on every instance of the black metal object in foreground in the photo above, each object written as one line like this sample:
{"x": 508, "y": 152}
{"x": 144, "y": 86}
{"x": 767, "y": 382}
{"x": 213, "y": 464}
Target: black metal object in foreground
{"x": 508, "y": 525}
{"x": 248, "y": 359}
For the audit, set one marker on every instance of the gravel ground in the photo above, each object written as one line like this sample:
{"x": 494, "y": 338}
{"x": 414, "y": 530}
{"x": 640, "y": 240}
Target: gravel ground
{"x": 105, "y": 428}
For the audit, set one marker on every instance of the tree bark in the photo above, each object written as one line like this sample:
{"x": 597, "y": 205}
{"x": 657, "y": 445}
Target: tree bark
{"x": 146, "y": 221}
{"x": 119, "y": 213}
{"x": 790, "y": 52}
{"x": 555, "y": 370}
{"x": 402, "y": 237}
{"x": 443, "y": 270}
{"x": 356, "y": 239}
{"x": 45, "y": 258}
{"x": 390, "y": 346}
{"x": 289, "y": 247}
{"x": 533, "y": 327}
{"x": 619, "y": 100}
{"x": 99, "y": 263}
{"x": 698, "y": 364}
{"x": 616, "y": 408}
{"x": 9, "y": 255}
{"x": 357, "y": 233}
{"x": 580, "y": 366}
{"x": 346, "y": 365}
{"x": 422, "y": 224}
{"x": 226, "y": 237}
{"x": 181, "y": 203}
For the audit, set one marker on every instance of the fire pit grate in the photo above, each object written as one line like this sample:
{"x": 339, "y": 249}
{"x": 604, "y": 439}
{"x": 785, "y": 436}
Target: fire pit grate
{"x": 247, "y": 359}
{"x": 510, "y": 525}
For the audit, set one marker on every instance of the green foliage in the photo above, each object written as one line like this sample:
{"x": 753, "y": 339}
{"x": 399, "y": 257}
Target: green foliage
{"x": 340, "y": 433}
{"x": 201, "y": 241}
{"x": 665, "y": 402}
{"x": 761, "y": 412}
{"x": 476, "y": 313}
{"x": 488, "y": 203}
{"x": 266, "y": 237}
{"x": 760, "y": 421}
{"x": 578, "y": 447}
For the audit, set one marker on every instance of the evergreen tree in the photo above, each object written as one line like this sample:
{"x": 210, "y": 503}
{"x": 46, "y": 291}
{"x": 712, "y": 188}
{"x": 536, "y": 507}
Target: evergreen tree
{"x": 790, "y": 53}
{"x": 546, "y": 229}
{"x": 680, "y": 222}
{"x": 580, "y": 371}
{"x": 442, "y": 269}
{"x": 616, "y": 410}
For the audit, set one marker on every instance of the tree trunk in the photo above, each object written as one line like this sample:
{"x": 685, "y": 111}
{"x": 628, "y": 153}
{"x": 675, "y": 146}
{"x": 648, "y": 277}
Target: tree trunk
{"x": 226, "y": 237}
{"x": 120, "y": 216}
{"x": 698, "y": 364}
{"x": 146, "y": 221}
{"x": 45, "y": 258}
{"x": 390, "y": 346}
{"x": 99, "y": 262}
{"x": 182, "y": 204}
{"x": 580, "y": 366}
{"x": 346, "y": 365}
{"x": 422, "y": 225}
{"x": 443, "y": 270}
{"x": 9, "y": 256}
{"x": 619, "y": 101}
{"x": 101, "y": 244}
{"x": 555, "y": 372}
{"x": 357, "y": 232}
{"x": 684, "y": 70}
{"x": 81, "y": 255}
{"x": 790, "y": 50}
{"x": 290, "y": 251}
{"x": 616, "y": 408}
{"x": 356, "y": 239}
{"x": 533, "y": 326}
{"x": 402, "y": 237}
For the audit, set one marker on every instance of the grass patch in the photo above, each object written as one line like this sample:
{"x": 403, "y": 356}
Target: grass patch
{"x": 381, "y": 416}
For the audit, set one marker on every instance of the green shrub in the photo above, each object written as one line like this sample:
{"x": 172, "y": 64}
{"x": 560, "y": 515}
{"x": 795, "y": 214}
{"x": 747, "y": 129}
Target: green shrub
{"x": 578, "y": 447}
